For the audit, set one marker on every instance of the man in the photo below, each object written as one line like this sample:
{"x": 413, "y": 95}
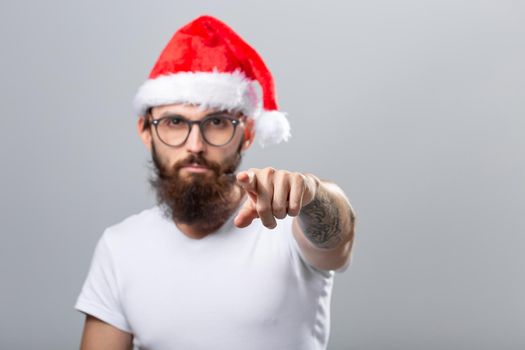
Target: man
{"x": 225, "y": 260}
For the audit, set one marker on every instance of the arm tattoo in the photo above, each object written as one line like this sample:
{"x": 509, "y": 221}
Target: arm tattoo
{"x": 320, "y": 222}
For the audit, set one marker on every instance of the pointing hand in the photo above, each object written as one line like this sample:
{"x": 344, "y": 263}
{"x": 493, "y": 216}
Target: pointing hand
{"x": 273, "y": 194}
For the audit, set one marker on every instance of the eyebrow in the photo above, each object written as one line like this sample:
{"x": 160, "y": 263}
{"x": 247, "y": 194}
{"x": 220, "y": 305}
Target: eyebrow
{"x": 169, "y": 113}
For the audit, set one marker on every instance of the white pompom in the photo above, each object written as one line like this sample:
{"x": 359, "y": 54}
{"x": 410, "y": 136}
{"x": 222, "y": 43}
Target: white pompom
{"x": 272, "y": 127}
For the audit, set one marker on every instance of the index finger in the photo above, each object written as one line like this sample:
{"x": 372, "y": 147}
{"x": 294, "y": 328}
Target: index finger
{"x": 247, "y": 180}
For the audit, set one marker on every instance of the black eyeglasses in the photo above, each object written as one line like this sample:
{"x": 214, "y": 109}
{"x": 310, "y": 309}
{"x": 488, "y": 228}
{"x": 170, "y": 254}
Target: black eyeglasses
{"x": 217, "y": 129}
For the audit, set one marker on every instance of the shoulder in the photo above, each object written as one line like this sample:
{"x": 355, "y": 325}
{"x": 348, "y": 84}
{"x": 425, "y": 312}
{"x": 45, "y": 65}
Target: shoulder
{"x": 134, "y": 229}
{"x": 138, "y": 220}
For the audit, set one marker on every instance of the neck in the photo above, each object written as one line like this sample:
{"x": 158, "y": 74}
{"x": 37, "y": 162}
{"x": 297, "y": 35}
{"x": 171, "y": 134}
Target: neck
{"x": 201, "y": 230}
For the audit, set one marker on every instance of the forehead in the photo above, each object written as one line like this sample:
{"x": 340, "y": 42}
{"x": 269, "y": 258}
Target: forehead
{"x": 187, "y": 110}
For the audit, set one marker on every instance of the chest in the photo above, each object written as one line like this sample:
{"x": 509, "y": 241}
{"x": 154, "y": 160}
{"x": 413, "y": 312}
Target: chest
{"x": 197, "y": 297}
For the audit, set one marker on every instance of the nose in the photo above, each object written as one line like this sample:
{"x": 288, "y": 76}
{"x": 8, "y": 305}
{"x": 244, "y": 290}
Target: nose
{"x": 195, "y": 143}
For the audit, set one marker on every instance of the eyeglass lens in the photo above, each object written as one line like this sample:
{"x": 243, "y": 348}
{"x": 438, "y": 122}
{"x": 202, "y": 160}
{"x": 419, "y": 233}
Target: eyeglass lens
{"x": 216, "y": 130}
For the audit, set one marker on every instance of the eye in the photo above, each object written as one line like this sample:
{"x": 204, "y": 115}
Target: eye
{"x": 174, "y": 121}
{"x": 217, "y": 122}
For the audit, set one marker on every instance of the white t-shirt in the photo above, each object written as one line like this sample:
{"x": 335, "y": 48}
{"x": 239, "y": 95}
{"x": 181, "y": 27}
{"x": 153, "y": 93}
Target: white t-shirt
{"x": 233, "y": 289}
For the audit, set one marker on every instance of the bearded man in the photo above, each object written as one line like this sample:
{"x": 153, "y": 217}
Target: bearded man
{"x": 209, "y": 266}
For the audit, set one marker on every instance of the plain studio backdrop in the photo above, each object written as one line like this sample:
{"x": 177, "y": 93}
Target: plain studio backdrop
{"x": 415, "y": 108}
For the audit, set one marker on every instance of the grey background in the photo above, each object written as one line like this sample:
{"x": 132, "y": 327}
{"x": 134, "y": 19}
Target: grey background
{"x": 415, "y": 108}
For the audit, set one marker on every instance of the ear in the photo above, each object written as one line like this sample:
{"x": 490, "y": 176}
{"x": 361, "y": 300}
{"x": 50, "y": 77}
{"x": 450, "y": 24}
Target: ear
{"x": 249, "y": 134}
{"x": 145, "y": 134}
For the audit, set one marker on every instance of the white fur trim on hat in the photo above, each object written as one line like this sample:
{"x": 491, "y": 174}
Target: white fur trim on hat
{"x": 207, "y": 89}
{"x": 228, "y": 91}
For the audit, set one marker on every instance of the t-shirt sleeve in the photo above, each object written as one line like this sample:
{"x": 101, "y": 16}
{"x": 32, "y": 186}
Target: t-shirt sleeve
{"x": 301, "y": 265}
{"x": 100, "y": 295}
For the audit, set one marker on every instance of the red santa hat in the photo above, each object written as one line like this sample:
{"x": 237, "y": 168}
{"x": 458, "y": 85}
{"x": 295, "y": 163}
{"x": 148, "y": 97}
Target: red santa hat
{"x": 208, "y": 64}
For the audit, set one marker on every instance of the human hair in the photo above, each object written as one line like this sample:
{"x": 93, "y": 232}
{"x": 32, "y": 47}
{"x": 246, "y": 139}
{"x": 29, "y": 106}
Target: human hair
{"x": 147, "y": 124}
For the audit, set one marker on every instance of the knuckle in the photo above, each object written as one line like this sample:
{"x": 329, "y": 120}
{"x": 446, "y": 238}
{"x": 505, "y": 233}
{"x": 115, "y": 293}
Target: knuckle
{"x": 293, "y": 210}
{"x": 279, "y": 212}
{"x": 282, "y": 175}
{"x": 300, "y": 178}
{"x": 269, "y": 171}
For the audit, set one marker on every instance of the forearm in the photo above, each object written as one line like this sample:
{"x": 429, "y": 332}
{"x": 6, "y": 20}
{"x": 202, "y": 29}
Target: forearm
{"x": 328, "y": 220}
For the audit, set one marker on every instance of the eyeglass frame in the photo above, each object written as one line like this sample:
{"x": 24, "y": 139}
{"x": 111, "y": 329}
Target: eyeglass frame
{"x": 190, "y": 123}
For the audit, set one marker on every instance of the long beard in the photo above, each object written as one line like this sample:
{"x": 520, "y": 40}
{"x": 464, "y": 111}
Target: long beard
{"x": 201, "y": 200}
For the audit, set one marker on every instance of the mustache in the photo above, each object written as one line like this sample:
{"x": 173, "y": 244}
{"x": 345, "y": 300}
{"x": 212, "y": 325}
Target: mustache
{"x": 165, "y": 172}
{"x": 199, "y": 160}
{"x": 193, "y": 159}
